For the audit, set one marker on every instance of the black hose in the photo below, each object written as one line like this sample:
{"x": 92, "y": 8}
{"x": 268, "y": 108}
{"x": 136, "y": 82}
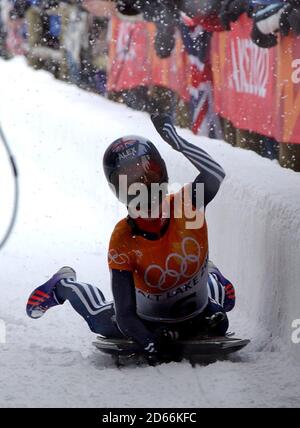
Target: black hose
{"x": 16, "y": 190}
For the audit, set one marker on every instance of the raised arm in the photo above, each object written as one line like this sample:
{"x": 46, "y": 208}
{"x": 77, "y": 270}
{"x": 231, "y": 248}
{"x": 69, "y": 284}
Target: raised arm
{"x": 211, "y": 173}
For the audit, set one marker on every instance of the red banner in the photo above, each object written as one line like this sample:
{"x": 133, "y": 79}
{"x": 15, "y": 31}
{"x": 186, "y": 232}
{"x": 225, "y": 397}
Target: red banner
{"x": 257, "y": 89}
{"x": 133, "y": 61}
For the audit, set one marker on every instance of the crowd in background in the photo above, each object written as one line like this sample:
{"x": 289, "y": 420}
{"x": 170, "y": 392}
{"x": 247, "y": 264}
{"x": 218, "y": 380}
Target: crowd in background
{"x": 152, "y": 55}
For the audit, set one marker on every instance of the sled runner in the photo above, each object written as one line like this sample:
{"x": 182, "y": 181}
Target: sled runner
{"x": 202, "y": 348}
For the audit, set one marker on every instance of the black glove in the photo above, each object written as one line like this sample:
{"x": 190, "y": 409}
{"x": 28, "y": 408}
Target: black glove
{"x": 158, "y": 345}
{"x": 160, "y": 11}
{"x": 164, "y": 40}
{"x": 294, "y": 19}
{"x": 164, "y": 126}
{"x": 231, "y": 10}
{"x": 284, "y": 24}
{"x": 128, "y": 7}
{"x": 294, "y": 3}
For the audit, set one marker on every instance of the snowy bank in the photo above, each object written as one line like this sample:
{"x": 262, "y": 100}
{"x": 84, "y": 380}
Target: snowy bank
{"x": 255, "y": 237}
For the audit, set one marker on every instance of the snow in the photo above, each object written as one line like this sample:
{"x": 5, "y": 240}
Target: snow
{"x": 58, "y": 134}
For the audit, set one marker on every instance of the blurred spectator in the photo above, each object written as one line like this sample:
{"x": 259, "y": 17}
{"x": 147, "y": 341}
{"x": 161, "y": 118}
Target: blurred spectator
{"x": 16, "y": 28}
{"x": 98, "y": 53}
{"x": 44, "y": 32}
{"x": 197, "y": 43}
{"x": 94, "y": 57}
{"x": 75, "y": 66}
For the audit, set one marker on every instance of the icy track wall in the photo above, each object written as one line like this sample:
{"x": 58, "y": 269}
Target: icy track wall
{"x": 254, "y": 222}
{"x": 254, "y": 234}
{"x": 254, "y": 227}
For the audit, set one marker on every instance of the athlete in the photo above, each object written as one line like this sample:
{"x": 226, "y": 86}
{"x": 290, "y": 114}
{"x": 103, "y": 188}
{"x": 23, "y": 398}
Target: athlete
{"x": 163, "y": 284}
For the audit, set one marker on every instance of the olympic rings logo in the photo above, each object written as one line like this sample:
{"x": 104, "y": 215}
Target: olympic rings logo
{"x": 122, "y": 258}
{"x": 185, "y": 261}
{"x": 118, "y": 258}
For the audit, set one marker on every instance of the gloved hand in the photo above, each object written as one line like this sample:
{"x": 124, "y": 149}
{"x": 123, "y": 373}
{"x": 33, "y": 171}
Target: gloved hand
{"x": 284, "y": 25}
{"x": 294, "y": 20}
{"x": 158, "y": 11}
{"x": 164, "y": 126}
{"x": 164, "y": 40}
{"x": 158, "y": 345}
{"x": 128, "y": 7}
{"x": 294, "y": 3}
{"x": 214, "y": 320}
{"x": 231, "y": 10}
{"x": 292, "y": 16}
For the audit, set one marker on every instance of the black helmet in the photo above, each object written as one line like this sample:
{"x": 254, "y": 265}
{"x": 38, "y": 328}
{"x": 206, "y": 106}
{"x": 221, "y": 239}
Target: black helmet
{"x": 136, "y": 158}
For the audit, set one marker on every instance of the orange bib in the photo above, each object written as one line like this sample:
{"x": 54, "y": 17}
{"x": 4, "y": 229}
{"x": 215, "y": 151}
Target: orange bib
{"x": 170, "y": 273}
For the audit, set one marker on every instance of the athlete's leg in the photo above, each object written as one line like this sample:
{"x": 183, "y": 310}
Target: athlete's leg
{"x": 220, "y": 289}
{"x": 89, "y": 302}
